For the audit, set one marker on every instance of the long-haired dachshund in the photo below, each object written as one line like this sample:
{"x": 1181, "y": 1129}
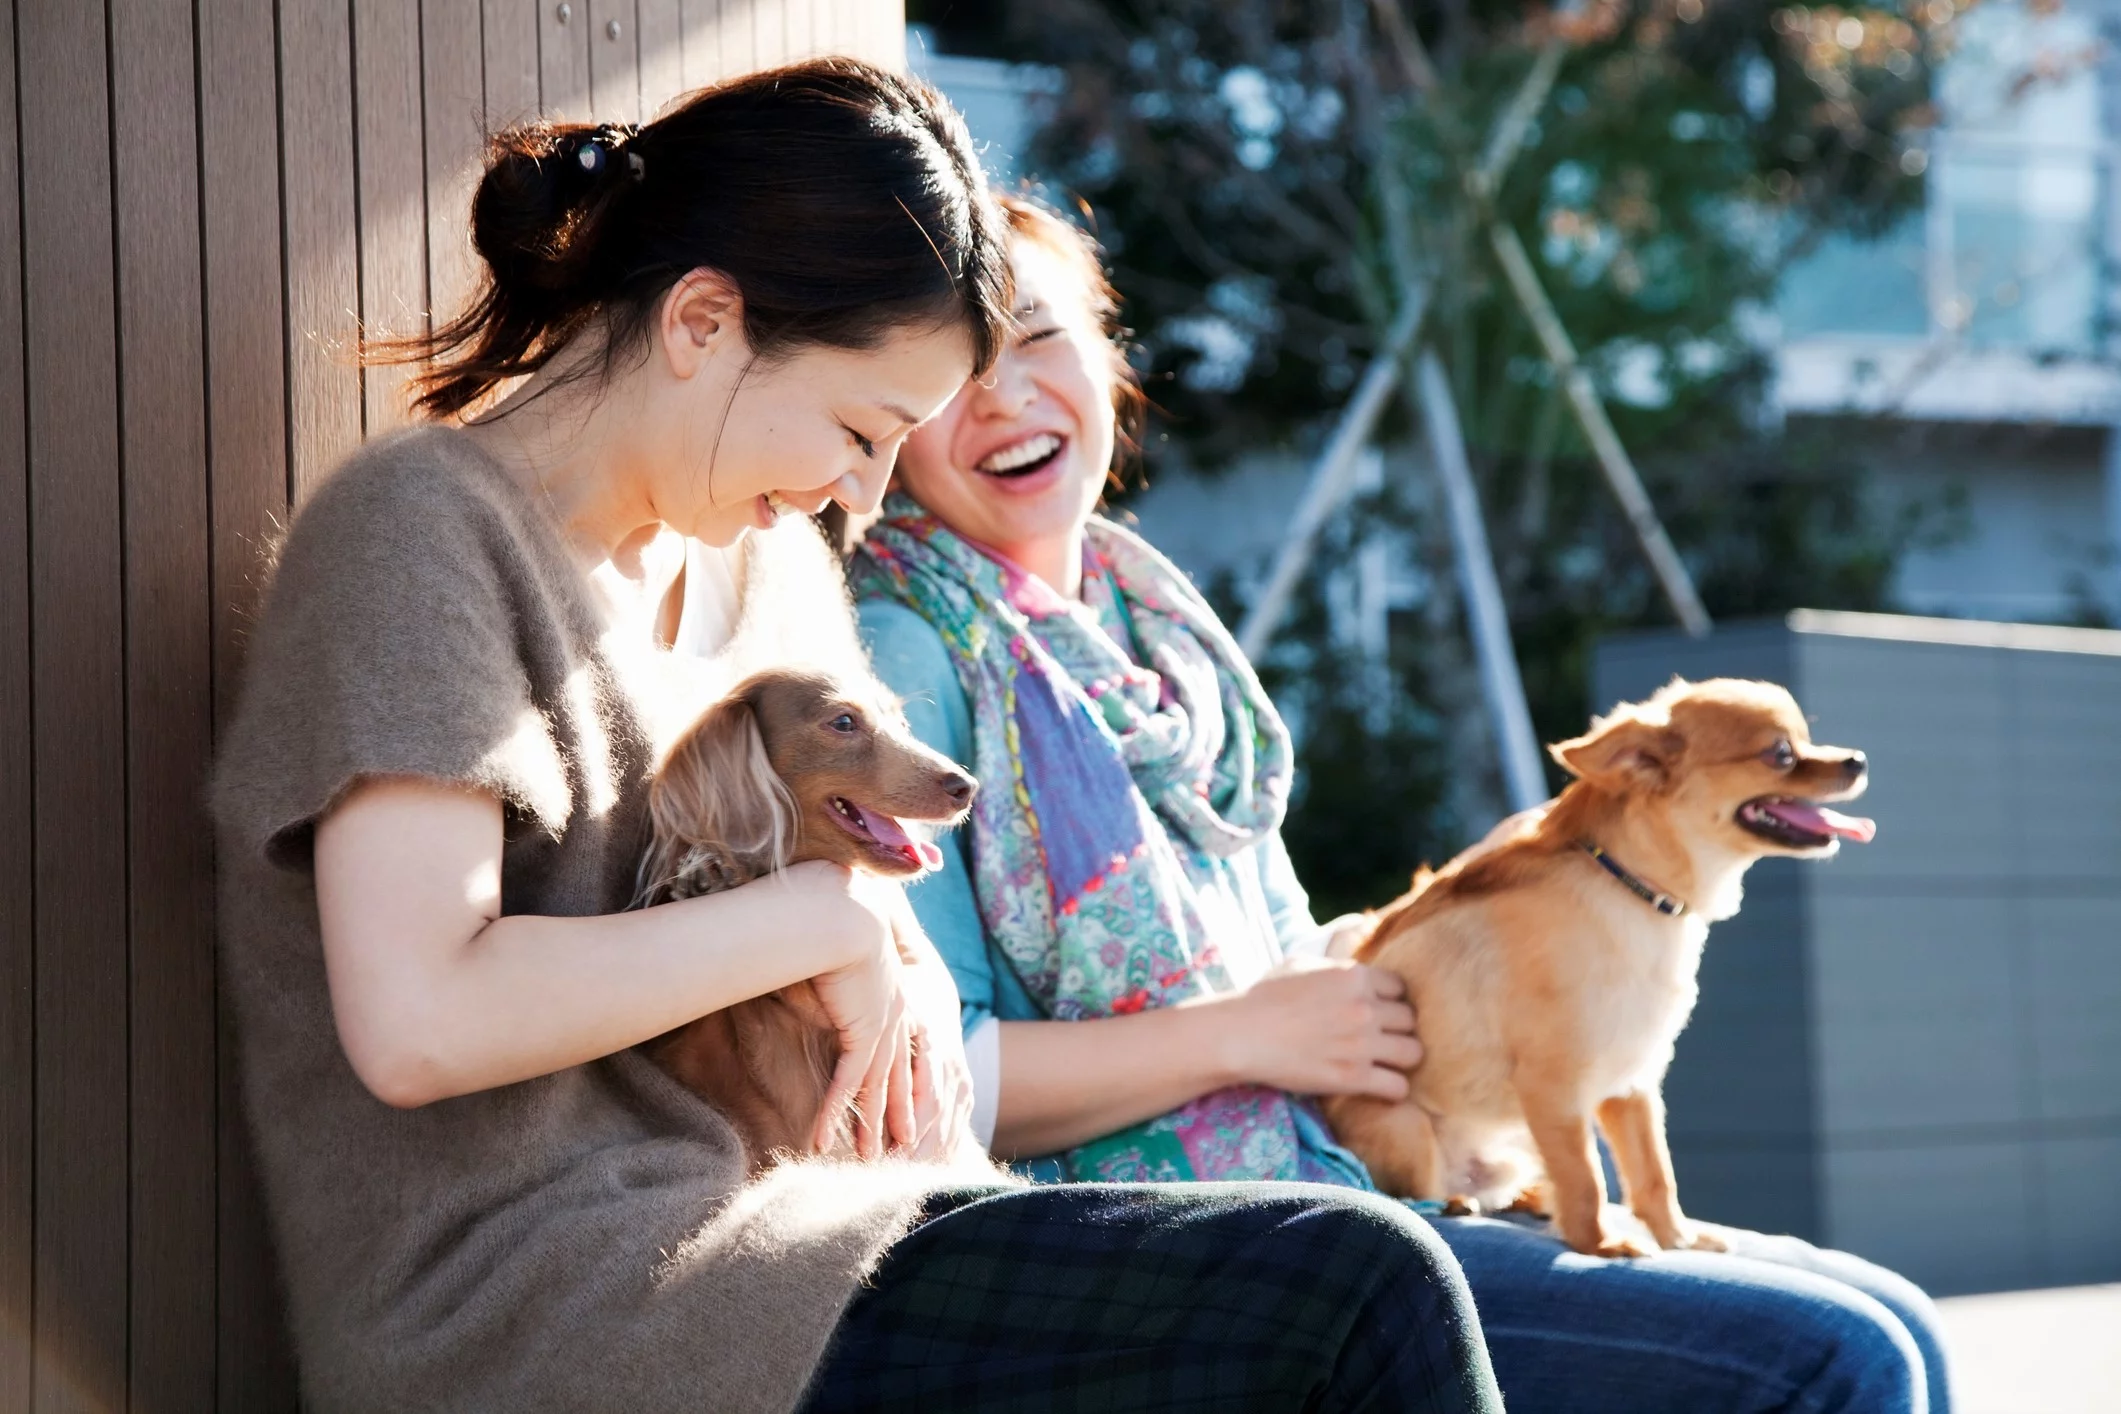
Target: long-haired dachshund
{"x": 793, "y": 765}
{"x": 1553, "y": 964}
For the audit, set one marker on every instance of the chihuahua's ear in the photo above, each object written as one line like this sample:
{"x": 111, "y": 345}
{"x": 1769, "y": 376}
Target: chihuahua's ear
{"x": 1621, "y": 751}
{"x": 717, "y": 799}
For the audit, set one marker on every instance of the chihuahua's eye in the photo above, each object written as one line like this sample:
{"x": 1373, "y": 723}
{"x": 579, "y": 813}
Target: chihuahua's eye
{"x": 844, "y": 723}
{"x": 1781, "y": 756}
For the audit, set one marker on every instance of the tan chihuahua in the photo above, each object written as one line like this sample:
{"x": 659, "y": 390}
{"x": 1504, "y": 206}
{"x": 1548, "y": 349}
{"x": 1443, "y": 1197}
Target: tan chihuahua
{"x": 1553, "y": 965}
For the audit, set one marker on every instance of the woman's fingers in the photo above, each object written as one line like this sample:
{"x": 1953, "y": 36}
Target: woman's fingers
{"x": 1389, "y": 985}
{"x": 1394, "y": 1016}
{"x": 1400, "y": 1052}
{"x": 1386, "y": 1084}
{"x": 876, "y": 1087}
{"x": 898, "y": 1114}
{"x": 843, "y": 1091}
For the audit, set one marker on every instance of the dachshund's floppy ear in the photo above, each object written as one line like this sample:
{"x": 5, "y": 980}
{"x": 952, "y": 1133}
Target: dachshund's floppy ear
{"x": 717, "y": 807}
{"x": 1622, "y": 751}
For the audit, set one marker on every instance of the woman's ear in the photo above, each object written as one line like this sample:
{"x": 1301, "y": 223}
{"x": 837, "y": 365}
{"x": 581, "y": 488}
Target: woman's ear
{"x": 718, "y": 799}
{"x": 1623, "y": 750}
{"x": 702, "y": 315}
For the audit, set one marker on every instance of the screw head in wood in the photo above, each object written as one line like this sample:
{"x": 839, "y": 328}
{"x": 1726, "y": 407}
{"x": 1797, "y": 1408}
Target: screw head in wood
{"x": 612, "y": 29}
{"x": 565, "y": 12}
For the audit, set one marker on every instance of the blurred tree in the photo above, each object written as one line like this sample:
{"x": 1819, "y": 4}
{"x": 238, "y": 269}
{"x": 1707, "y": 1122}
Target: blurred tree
{"x": 1232, "y": 154}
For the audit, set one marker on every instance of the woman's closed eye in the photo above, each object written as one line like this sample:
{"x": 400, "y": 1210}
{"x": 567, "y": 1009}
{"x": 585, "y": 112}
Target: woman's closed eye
{"x": 868, "y": 446}
{"x": 1034, "y": 336}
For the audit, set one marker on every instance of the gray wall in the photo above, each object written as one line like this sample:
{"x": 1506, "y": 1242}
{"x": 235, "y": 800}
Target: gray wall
{"x": 1914, "y": 1051}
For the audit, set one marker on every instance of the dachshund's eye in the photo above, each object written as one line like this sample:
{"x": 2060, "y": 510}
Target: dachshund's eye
{"x": 1782, "y": 756}
{"x": 844, "y": 723}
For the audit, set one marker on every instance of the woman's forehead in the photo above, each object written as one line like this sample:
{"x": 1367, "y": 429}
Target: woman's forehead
{"x": 1044, "y": 283}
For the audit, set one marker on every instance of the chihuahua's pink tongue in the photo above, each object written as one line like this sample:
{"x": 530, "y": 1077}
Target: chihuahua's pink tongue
{"x": 890, "y": 833}
{"x": 1821, "y": 821}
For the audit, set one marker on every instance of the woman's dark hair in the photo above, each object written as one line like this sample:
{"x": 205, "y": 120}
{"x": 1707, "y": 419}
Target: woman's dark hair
{"x": 842, "y": 201}
{"x": 1032, "y": 220}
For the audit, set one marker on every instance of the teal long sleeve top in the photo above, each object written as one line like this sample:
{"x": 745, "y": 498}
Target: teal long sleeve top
{"x": 910, "y": 656}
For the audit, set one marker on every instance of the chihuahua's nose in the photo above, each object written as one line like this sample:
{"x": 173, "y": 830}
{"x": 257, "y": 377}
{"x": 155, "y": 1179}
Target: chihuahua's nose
{"x": 959, "y": 787}
{"x": 1855, "y": 766}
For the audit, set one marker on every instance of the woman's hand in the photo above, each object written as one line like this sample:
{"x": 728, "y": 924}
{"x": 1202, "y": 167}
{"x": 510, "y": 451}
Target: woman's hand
{"x": 942, "y": 1080}
{"x": 1322, "y": 1027}
{"x": 864, "y": 1000}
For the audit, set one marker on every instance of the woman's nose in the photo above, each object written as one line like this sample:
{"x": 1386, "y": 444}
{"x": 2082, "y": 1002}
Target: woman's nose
{"x": 1006, "y": 390}
{"x": 862, "y": 491}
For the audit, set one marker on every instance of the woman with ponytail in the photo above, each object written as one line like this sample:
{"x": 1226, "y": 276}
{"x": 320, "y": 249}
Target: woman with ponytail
{"x": 431, "y": 800}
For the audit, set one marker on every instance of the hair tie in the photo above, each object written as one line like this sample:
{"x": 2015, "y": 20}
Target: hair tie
{"x": 609, "y": 141}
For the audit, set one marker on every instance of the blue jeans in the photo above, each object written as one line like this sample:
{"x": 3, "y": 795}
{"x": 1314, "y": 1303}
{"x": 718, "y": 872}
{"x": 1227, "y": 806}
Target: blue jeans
{"x": 1774, "y": 1324}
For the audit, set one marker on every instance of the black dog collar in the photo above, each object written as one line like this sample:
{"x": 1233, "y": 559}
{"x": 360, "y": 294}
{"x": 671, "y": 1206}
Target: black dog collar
{"x": 1663, "y": 903}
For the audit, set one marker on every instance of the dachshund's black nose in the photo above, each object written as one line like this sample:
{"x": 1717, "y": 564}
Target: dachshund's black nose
{"x": 1855, "y": 766}
{"x": 959, "y": 787}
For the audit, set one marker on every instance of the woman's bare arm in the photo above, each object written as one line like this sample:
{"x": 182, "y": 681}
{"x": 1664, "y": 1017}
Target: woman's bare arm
{"x": 1315, "y": 1029}
{"x": 435, "y": 994}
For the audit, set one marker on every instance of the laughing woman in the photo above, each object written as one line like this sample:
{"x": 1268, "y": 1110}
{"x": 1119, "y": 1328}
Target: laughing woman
{"x": 1129, "y": 941}
{"x": 483, "y": 1196}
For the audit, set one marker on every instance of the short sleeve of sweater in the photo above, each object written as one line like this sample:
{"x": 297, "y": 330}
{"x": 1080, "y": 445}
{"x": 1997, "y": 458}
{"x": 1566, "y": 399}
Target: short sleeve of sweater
{"x": 388, "y": 647}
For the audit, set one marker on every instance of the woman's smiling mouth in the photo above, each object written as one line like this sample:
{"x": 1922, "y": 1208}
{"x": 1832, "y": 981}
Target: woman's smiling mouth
{"x": 1033, "y": 454}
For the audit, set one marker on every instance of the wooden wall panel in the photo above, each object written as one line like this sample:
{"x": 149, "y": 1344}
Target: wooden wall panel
{"x": 563, "y": 59}
{"x": 509, "y": 30}
{"x": 615, "y": 61}
{"x": 77, "y": 642}
{"x": 18, "y": 1111}
{"x": 246, "y": 451}
{"x": 453, "y": 73}
{"x": 391, "y": 189}
{"x": 662, "y": 54}
{"x": 168, "y": 702}
{"x": 700, "y": 24}
{"x": 224, "y": 191}
{"x": 321, "y": 240}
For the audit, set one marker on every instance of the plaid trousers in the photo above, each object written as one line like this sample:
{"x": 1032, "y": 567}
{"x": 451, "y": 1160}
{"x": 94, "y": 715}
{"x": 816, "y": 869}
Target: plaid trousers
{"x": 1209, "y": 1296}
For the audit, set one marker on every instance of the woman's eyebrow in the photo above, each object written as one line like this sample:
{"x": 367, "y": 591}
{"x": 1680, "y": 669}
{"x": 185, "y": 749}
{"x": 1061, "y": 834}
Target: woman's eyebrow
{"x": 905, "y": 417}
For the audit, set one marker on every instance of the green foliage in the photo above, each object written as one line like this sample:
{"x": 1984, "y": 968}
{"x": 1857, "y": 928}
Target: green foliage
{"x": 1241, "y": 158}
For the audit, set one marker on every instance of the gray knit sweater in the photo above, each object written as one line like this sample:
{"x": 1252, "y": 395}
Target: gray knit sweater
{"x": 583, "y": 1241}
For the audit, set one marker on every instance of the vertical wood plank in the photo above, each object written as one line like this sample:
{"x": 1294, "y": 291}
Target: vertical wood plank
{"x": 323, "y": 260}
{"x": 563, "y": 59}
{"x": 77, "y": 694}
{"x": 168, "y": 703}
{"x": 615, "y": 61}
{"x": 511, "y": 40}
{"x": 391, "y": 185}
{"x": 769, "y": 33}
{"x": 739, "y": 51}
{"x": 700, "y": 21}
{"x": 247, "y": 449}
{"x": 796, "y": 30}
{"x": 662, "y": 55}
{"x": 17, "y": 934}
{"x": 452, "y": 68}
{"x": 246, "y": 327}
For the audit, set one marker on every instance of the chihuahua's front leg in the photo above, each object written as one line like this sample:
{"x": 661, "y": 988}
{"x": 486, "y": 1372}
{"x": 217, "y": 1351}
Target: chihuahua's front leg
{"x": 1634, "y": 1126}
{"x": 1575, "y": 1182}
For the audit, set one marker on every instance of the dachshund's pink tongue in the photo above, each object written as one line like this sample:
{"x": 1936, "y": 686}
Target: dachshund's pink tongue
{"x": 890, "y": 833}
{"x": 1821, "y": 821}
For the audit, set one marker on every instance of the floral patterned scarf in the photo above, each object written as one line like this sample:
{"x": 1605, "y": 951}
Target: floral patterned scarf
{"x": 1115, "y": 791}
